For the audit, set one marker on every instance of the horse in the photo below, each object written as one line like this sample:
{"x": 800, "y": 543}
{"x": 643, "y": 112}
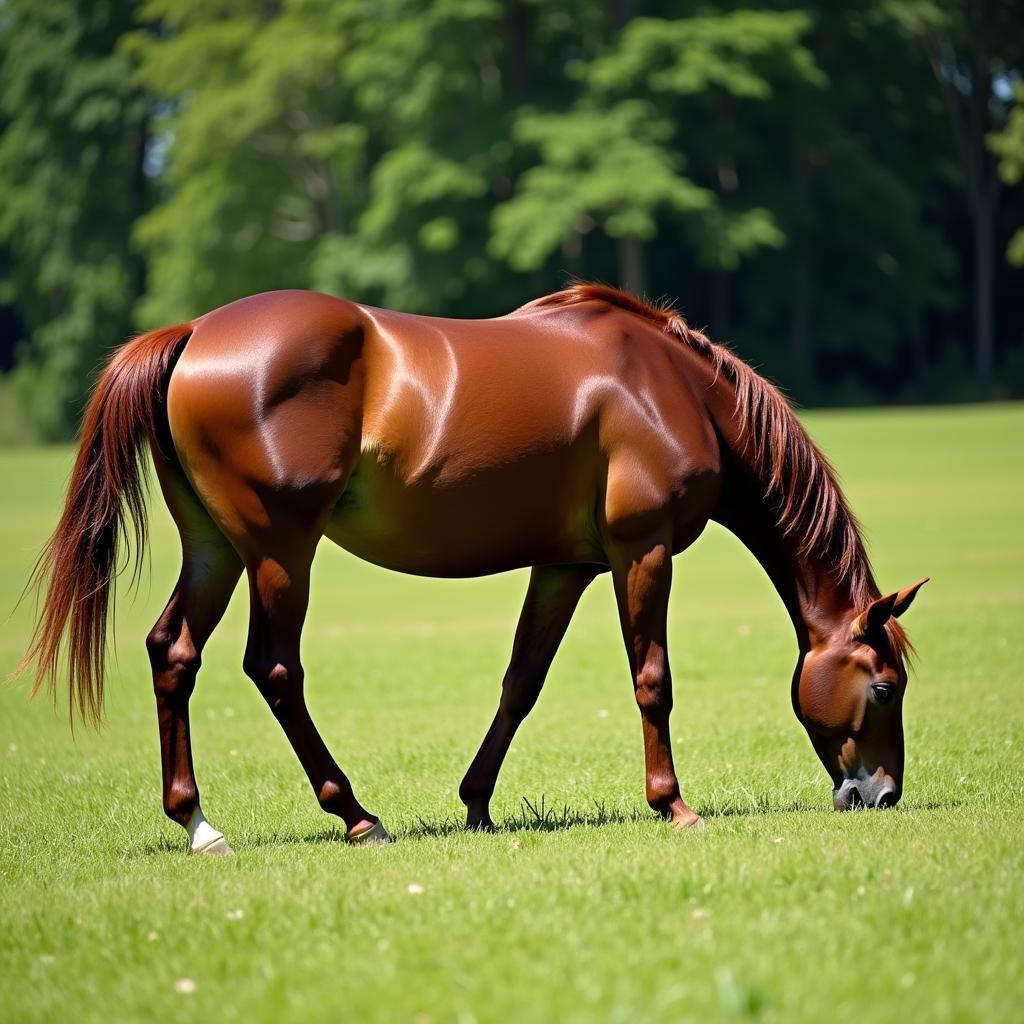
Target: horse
{"x": 587, "y": 432}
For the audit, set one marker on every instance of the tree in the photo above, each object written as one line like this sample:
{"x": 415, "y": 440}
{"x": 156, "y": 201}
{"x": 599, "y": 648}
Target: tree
{"x": 792, "y": 177}
{"x": 1008, "y": 146}
{"x": 615, "y": 157}
{"x": 607, "y": 167}
{"x": 71, "y": 154}
{"x": 244, "y": 150}
{"x": 339, "y": 145}
{"x": 857, "y": 173}
{"x": 972, "y": 45}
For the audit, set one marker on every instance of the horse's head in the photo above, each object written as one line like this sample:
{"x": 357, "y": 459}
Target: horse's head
{"x": 848, "y": 693}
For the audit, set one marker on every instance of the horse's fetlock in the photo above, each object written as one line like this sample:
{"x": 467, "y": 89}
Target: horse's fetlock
{"x": 662, "y": 790}
{"x": 471, "y": 791}
{"x": 180, "y": 800}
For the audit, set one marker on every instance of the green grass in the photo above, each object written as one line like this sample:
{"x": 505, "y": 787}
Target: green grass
{"x": 585, "y": 908}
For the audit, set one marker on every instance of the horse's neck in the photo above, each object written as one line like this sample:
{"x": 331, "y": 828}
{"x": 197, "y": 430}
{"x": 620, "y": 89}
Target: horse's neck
{"x": 817, "y": 603}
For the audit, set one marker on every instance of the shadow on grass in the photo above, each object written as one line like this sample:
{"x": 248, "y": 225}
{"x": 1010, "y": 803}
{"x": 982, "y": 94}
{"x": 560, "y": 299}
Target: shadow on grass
{"x": 762, "y": 806}
{"x": 531, "y": 818}
{"x": 541, "y": 818}
{"x": 538, "y": 817}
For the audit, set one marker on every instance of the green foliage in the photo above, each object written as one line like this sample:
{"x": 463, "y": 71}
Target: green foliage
{"x": 1008, "y": 145}
{"x": 790, "y": 176}
{"x": 609, "y": 165}
{"x": 616, "y": 160}
{"x": 247, "y": 184}
{"x": 738, "y": 53}
{"x": 71, "y": 146}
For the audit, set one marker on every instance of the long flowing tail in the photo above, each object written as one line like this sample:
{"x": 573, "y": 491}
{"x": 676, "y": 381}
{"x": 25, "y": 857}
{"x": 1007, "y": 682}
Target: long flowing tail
{"x": 79, "y": 565}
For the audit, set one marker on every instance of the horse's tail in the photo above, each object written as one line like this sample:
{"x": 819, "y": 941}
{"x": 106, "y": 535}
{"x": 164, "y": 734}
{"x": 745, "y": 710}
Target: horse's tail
{"x": 79, "y": 565}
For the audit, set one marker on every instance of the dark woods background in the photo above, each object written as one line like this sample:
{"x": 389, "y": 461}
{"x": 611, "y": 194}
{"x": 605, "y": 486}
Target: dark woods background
{"x": 827, "y": 186}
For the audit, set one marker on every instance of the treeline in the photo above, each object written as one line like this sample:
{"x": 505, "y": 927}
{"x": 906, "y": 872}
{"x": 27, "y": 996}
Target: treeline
{"x": 824, "y": 186}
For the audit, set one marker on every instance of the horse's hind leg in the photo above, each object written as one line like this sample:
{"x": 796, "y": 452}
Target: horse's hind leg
{"x": 279, "y": 594}
{"x": 642, "y": 574}
{"x": 209, "y": 571}
{"x": 551, "y": 599}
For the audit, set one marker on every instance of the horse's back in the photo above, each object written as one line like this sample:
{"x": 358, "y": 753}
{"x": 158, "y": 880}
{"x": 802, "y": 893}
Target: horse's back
{"x": 438, "y": 446}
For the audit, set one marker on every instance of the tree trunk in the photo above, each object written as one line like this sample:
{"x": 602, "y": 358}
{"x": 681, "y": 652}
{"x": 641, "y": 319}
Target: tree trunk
{"x": 970, "y": 116}
{"x": 632, "y": 264}
{"x": 984, "y": 290}
{"x": 518, "y": 31}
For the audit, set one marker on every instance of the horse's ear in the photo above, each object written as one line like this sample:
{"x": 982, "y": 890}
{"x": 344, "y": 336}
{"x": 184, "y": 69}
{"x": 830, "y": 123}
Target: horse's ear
{"x": 878, "y": 613}
{"x": 905, "y": 598}
{"x": 873, "y": 618}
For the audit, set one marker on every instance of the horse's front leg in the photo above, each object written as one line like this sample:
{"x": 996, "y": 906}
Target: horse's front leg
{"x": 642, "y": 574}
{"x": 551, "y": 599}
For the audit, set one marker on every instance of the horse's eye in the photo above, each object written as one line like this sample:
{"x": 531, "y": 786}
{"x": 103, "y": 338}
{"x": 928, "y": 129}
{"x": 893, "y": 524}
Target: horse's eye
{"x": 883, "y": 692}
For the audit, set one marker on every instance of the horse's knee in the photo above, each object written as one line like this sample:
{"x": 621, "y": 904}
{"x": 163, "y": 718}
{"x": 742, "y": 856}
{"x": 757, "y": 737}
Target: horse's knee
{"x": 654, "y": 691}
{"x": 175, "y": 663}
{"x": 278, "y": 681}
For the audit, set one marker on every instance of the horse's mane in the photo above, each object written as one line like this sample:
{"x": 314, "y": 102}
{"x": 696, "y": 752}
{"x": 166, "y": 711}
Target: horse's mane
{"x": 800, "y": 485}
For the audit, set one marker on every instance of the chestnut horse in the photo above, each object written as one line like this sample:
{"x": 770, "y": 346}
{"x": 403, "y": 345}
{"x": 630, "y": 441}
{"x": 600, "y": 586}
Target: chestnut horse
{"x": 584, "y": 433}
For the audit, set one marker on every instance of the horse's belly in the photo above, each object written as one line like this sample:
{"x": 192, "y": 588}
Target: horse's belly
{"x": 504, "y": 518}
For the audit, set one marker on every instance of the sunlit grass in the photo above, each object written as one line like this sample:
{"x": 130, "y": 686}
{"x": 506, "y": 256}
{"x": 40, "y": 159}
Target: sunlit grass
{"x": 582, "y": 906}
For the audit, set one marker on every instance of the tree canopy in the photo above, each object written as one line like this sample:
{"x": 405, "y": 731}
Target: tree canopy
{"x": 831, "y": 188}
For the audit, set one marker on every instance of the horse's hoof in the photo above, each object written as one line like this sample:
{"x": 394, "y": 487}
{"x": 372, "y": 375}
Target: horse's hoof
{"x": 696, "y": 822}
{"x": 480, "y": 825}
{"x": 374, "y": 835}
{"x": 216, "y": 847}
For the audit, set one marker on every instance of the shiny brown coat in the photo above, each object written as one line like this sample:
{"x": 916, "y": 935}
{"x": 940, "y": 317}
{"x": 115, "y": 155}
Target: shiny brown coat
{"x": 586, "y": 432}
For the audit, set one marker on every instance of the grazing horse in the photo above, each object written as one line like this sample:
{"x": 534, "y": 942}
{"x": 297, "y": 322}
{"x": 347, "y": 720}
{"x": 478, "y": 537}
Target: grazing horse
{"x": 586, "y": 432}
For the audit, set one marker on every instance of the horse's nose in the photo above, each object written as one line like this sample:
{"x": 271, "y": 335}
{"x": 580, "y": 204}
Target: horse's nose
{"x": 889, "y": 797}
{"x": 865, "y": 793}
{"x": 847, "y": 796}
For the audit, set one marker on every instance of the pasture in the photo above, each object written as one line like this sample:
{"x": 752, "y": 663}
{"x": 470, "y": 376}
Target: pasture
{"x": 582, "y": 907}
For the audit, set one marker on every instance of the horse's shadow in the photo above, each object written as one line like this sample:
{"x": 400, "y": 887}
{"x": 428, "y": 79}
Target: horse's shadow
{"x": 539, "y": 817}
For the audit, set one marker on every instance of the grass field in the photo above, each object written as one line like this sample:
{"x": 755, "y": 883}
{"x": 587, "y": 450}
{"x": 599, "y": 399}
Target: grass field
{"x": 583, "y": 906}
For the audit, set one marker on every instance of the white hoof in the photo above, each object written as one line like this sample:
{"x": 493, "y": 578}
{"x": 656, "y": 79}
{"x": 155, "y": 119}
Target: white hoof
{"x": 374, "y": 835}
{"x": 204, "y": 838}
{"x": 216, "y": 847}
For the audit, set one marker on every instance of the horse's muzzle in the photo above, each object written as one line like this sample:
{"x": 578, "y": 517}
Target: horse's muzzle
{"x": 871, "y": 792}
